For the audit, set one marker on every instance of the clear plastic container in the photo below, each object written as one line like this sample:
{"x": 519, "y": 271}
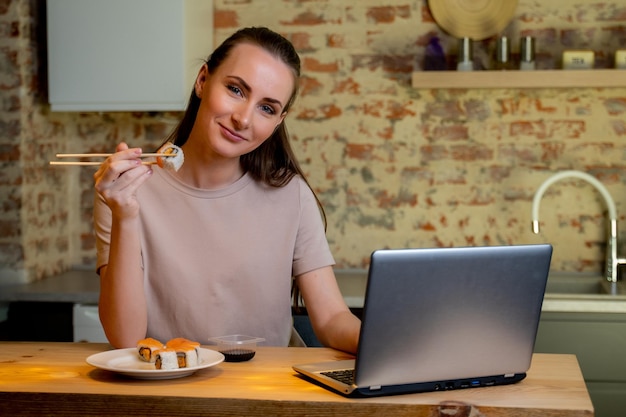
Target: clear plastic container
{"x": 237, "y": 347}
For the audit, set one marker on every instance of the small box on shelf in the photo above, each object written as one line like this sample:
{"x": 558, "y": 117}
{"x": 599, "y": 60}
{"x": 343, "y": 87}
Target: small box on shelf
{"x": 577, "y": 60}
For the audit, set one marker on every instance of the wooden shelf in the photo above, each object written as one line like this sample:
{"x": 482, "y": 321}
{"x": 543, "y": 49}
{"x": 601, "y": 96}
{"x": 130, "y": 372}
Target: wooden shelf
{"x": 597, "y": 78}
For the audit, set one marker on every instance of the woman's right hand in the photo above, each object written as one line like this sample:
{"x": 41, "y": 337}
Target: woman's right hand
{"x": 118, "y": 179}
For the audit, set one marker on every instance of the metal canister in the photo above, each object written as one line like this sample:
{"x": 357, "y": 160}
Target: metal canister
{"x": 527, "y": 53}
{"x": 503, "y": 53}
{"x": 527, "y": 49}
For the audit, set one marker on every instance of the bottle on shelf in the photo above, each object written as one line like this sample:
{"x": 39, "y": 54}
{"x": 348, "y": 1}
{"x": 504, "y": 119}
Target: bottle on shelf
{"x": 465, "y": 55}
{"x": 434, "y": 56}
{"x": 503, "y": 54}
{"x": 527, "y": 53}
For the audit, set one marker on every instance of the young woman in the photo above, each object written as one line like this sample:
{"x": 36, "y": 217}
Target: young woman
{"x": 211, "y": 249}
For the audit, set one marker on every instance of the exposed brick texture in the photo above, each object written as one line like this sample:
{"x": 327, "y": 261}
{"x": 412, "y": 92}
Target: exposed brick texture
{"x": 394, "y": 166}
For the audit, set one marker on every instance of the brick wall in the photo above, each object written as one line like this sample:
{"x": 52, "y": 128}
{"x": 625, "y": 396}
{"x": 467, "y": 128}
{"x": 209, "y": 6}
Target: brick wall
{"x": 394, "y": 166}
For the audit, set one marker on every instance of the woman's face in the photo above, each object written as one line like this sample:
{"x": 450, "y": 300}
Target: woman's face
{"x": 242, "y": 102}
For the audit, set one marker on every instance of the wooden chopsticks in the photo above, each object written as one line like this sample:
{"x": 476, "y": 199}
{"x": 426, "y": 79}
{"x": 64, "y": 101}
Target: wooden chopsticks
{"x": 104, "y": 155}
{"x": 99, "y": 155}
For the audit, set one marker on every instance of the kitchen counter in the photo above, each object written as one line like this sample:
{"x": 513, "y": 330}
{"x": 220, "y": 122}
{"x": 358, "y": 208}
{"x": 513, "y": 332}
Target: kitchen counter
{"x": 80, "y": 286}
{"x": 53, "y": 378}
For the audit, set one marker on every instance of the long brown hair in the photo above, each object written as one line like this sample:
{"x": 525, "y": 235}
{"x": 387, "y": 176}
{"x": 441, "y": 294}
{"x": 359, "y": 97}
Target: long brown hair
{"x": 274, "y": 161}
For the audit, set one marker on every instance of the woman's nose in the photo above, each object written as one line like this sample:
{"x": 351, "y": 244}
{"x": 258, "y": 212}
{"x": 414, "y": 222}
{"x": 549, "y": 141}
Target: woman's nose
{"x": 242, "y": 115}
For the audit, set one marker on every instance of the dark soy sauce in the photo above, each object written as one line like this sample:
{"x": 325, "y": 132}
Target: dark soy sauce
{"x": 238, "y": 355}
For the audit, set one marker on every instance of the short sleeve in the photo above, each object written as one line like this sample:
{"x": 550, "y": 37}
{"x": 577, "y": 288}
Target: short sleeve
{"x": 311, "y": 250}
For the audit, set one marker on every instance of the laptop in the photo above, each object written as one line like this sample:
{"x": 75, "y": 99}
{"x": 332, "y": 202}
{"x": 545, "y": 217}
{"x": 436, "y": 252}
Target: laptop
{"x": 442, "y": 319}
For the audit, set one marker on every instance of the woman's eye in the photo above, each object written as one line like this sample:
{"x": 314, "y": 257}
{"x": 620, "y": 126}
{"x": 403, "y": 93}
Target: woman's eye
{"x": 268, "y": 109}
{"x": 235, "y": 89}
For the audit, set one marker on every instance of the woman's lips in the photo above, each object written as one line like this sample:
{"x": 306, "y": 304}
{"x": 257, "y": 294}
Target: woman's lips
{"x": 230, "y": 135}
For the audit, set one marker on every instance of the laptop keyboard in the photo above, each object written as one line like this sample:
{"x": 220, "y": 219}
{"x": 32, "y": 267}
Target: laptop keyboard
{"x": 344, "y": 375}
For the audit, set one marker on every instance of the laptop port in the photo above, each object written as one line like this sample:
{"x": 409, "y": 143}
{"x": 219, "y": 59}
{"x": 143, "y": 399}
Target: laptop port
{"x": 465, "y": 384}
{"x": 449, "y": 385}
{"x": 476, "y": 383}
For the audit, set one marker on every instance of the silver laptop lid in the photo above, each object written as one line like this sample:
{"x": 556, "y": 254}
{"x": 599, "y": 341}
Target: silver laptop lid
{"x": 450, "y": 313}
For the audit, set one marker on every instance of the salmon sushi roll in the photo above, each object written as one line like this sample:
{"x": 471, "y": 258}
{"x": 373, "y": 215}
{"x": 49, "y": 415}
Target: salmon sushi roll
{"x": 174, "y": 162}
{"x": 166, "y": 359}
{"x": 147, "y": 349}
{"x": 186, "y": 352}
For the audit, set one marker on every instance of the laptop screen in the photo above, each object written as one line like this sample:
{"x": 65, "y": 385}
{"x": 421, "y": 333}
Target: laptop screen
{"x": 450, "y": 313}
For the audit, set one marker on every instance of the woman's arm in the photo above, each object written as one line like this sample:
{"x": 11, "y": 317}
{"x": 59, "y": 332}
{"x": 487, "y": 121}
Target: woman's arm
{"x": 122, "y": 304}
{"x": 333, "y": 322}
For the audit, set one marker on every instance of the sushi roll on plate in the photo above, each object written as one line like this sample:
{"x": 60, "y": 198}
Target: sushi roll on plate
{"x": 166, "y": 359}
{"x": 186, "y": 352}
{"x": 146, "y": 348}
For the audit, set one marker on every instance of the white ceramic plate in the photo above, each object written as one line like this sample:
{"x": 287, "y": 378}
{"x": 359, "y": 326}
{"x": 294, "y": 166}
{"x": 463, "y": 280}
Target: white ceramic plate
{"x": 127, "y": 362}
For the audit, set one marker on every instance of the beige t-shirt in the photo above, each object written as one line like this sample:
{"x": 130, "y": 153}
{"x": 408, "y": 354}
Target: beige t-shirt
{"x": 220, "y": 262}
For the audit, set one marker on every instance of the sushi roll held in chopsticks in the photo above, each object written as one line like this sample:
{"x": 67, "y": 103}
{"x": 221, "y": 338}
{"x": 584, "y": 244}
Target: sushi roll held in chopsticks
{"x": 172, "y": 163}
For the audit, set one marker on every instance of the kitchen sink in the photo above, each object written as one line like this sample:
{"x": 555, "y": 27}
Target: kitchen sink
{"x": 575, "y": 284}
{"x": 583, "y": 285}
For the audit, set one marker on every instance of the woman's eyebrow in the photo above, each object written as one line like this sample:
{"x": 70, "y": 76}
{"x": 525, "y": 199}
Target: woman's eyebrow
{"x": 245, "y": 85}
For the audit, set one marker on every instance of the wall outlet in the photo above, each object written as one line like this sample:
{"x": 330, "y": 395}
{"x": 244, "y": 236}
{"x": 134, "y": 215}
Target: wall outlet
{"x": 578, "y": 60}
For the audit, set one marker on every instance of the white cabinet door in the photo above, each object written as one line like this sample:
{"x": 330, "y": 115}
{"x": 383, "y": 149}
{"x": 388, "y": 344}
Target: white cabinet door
{"x": 86, "y": 323}
{"x": 125, "y": 55}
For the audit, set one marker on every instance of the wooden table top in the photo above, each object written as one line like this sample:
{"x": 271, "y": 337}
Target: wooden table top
{"x": 54, "y": 378}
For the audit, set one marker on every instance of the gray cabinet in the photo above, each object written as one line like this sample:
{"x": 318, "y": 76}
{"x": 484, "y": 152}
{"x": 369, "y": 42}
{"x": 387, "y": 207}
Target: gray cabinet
{"x": 599, "y": 342}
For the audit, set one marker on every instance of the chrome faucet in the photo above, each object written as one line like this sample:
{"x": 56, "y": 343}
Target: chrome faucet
{"x": 611, "y": 249}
